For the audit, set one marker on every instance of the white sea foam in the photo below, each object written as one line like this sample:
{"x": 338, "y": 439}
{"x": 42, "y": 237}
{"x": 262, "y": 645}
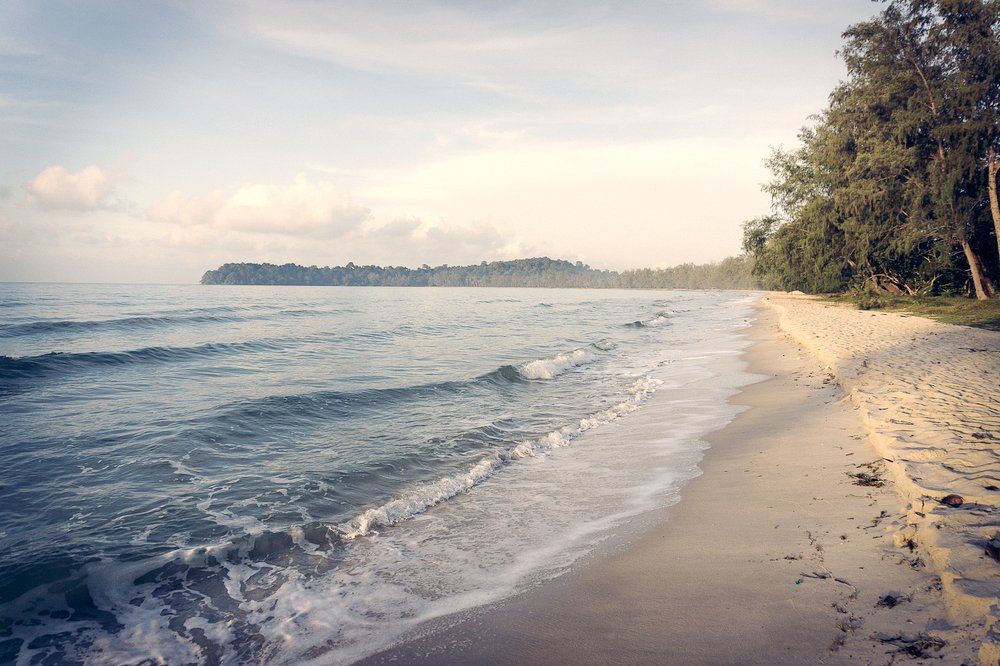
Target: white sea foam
{"x": 553, "y": 366}
{"x": 549, "y": 368}
{"x": 423, "y": 496}
{"x": 659, "y": 320}
{"x": 227, "y": 518}
{"x": 419, "y": 499}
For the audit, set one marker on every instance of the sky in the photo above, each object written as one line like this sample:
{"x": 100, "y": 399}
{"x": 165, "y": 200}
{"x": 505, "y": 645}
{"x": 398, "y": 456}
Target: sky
{"x": 152, "y": 141}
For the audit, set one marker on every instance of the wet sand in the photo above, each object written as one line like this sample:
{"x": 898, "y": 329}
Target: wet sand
{"x": 797, "y": 544}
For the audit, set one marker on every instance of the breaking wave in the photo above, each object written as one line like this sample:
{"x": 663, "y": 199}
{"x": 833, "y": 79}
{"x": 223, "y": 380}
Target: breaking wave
{"x": 423, "y": 496}
{"x": 553, "y": 366}
{"x": 661, "y": 319}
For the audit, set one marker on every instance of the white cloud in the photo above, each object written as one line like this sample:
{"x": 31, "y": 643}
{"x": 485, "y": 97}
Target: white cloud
{"x": 413, "y": 37}
{"x": 7, "y": 225}
{"x": 612, "y": 204}
{"x": 188, "y": 211}
{"x": 55, "y": 188}
{"x": 435, "y": 242}
{"x": 302, "y": 208}
{"x": 531, "y": 52}
{"x": 790, "y": 10}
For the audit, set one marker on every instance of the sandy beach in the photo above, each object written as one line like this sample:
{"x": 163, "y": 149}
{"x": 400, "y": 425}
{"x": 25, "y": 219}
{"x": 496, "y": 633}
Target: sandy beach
{"x": 927, "y": 394}
{"x": 815, "y": 534}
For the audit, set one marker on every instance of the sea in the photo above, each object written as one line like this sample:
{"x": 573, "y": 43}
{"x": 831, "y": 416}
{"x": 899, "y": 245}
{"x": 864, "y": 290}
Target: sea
{"x": 271, "y": 475}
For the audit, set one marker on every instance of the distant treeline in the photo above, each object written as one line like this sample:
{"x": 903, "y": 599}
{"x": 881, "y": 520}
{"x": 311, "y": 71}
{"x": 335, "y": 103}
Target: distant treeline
{"x": 894, "y": 187}
{"x": 731, "y": 273}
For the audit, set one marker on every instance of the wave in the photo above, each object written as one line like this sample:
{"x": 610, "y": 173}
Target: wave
{"x": 426, "y": 495}
{"x": 661, "y": 319}
{"x": 45, "y": 327}
{"x": 553, "y": 366}
{"x": 336, "y": 404}
{"x": 167, "y": 601}
{"x": 194, "y": 603}
{"x": 58, "y": 363}
{"x": 125, "y": 611}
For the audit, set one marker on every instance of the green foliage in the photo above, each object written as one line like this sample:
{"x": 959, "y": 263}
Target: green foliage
{"x": 757, "y": 231}
{"x": 866, "y": 300}
{"x": 731, "y": 273}
{"x": 888, "y": 188}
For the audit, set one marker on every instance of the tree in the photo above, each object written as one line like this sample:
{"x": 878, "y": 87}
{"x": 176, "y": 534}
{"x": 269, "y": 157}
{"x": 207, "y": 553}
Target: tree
{"x": 756, "y": 233}
{"x": 969, "y": 34}
{"x": 898, "y": 174}
{"x": 906, "y": 67}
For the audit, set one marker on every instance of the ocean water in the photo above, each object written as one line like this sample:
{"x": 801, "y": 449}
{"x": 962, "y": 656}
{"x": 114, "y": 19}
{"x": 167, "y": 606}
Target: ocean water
{"x": 231, "y": 475}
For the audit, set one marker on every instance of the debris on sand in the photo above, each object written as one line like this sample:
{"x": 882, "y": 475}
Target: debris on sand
{"x": 993, "y": 547}
{"x": 914, "y": 647}
{"x": 953, "y": 500}
{"x": 891, "y": 600}
{"x": 871, "y": 478}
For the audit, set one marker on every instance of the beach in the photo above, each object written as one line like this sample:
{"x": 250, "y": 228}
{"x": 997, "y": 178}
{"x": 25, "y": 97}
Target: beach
{"x": 815, "y": 533}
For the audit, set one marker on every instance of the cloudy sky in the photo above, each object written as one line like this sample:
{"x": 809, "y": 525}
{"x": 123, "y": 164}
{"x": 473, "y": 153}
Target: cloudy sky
{"x": 150, "y": 141}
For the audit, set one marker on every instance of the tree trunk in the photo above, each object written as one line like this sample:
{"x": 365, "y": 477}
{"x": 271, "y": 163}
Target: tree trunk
{"x": 993, "y": 169}
{"x": 984, "y": 288}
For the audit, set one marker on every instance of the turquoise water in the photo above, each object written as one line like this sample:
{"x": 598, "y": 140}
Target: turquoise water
{"x": 226, "y": 474}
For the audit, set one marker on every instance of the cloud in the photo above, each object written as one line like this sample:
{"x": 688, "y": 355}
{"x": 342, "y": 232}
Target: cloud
{"x": 188, "y": 211}
{"x": 786, "y": 9}
{"x": 523, "y": 51}
{"x": 302, "y": 208}
{"x": 7, "y": 225}
{"x": 434, "y": 242}
{"x": 420, "y": 37}
{"x": 612, "y": 204}
{"x": 55, "y": 188}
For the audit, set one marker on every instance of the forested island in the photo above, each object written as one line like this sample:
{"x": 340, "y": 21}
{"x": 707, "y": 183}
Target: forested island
{"x": 731, "y": 273}
{"x": 894, "y": 187}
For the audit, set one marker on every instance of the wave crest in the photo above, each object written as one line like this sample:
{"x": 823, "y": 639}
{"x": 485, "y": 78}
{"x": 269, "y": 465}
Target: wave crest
{"x": 46, "y": 327}
{"x": 423, "y": 496}
{"x": 661, "y": 319}
{"x": 29, "y": 367}
{"x": 553, "y": 366}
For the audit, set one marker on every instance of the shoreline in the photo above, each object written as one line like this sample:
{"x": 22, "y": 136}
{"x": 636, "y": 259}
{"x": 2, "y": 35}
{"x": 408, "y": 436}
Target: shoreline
{"x": 773, "y": 555}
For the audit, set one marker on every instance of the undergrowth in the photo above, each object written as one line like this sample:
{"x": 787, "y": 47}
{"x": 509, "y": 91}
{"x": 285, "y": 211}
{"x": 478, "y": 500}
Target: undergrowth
{"x": 946, "y": 309}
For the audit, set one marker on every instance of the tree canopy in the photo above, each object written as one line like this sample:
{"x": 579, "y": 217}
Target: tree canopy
{"x": 893, "y": 186}
{"x": 731, "y": 273}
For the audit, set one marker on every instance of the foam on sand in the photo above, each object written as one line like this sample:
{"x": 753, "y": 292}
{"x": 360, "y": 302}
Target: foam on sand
{"x": 929, "y": 394}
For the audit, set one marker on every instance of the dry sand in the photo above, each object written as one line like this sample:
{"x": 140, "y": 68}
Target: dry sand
{"x": 776, "y": 554}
